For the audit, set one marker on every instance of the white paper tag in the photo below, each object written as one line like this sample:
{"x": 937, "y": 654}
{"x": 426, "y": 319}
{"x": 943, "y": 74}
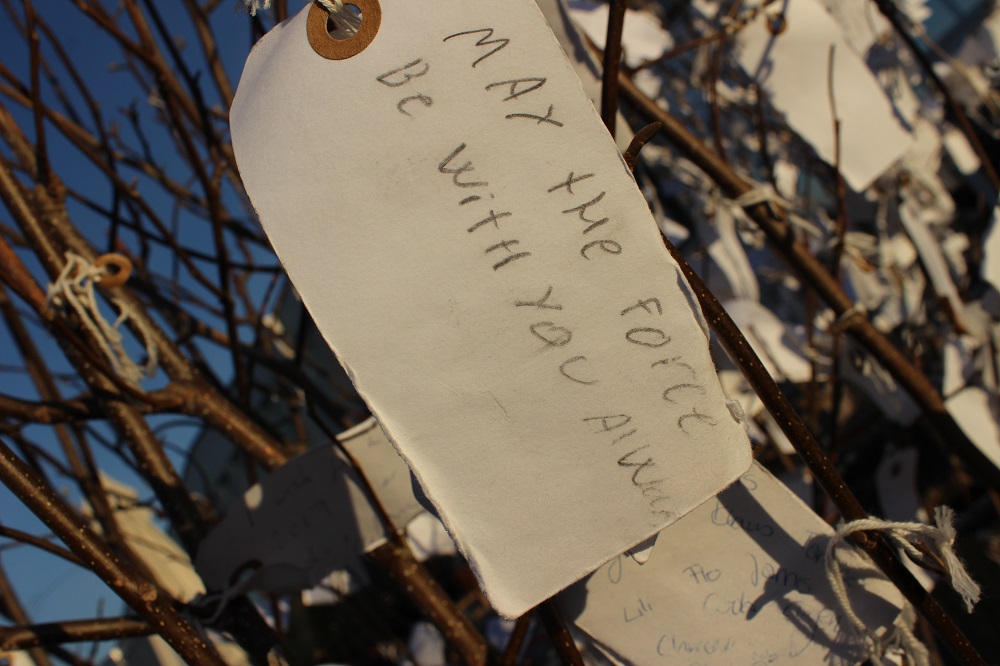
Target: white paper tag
{"x": 168, "y": 562}
{"x": 384, "y": 469}
{"x": 975, "y": 411}
{"x": 470, "y": 243}
{"x": 793, "y": 67}
{"x": 310, "y": 517}
{"x": 740, "y": 580}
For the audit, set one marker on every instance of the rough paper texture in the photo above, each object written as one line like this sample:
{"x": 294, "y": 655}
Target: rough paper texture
{"x": 470, "y": 243}
{"x": 740, "y": 580}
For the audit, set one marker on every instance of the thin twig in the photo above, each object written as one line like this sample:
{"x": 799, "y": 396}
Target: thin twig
{"x": 612, "y": 64}
{"x": 73, "y": 631}
{"x": 43, "y": 172}
{"x": 561, "y": 638}
{"x": 641, "y": 138}
{"x": 40, "y": 543}
{"x": 516, "y": 641}
{"x": 11, "y": 606}
{"x": 399, "y": 562}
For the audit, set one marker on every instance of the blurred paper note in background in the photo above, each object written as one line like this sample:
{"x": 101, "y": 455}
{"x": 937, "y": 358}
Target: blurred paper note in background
{"x": 793, "y": 67}
{"x": 310, "y": 517}
{"x": 740, "y": 580}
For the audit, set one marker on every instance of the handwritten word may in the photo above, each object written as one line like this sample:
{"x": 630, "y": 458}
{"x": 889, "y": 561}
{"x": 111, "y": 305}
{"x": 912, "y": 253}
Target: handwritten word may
{"x": 504, "y": 90}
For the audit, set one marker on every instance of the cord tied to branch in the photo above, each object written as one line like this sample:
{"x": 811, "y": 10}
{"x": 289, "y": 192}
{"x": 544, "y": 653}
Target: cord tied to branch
{"x": 940, "y": 538}
{"x": 74, "y": 290}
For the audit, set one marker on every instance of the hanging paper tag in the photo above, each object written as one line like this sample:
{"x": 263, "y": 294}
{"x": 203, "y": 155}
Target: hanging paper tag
{"x": 790, "y": 57}
{"x": 310, "y": 517}
{"x": 470, "y": 243}
{"x": 741, "y": 580}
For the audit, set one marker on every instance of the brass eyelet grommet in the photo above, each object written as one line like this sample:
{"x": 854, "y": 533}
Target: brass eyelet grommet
{"x": 341, "y": 49}
{"x": 118, "y": 277}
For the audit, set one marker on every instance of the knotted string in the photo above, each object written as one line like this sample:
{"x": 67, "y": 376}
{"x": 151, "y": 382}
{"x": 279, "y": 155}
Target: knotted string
{"x": 74, "y": 289}
{"x": 941, "y": 537}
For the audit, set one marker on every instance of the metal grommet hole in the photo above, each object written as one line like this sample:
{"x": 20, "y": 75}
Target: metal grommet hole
{"x": 346, "y": 23}
{"x": 120, "y": 269}
{"x": 345, "y": 33}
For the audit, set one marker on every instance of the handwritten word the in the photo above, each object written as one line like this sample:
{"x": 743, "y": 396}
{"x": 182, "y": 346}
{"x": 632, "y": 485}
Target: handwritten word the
{"x": 590, "y": 219}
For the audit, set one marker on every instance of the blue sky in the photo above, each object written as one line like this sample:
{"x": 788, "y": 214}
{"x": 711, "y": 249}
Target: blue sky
{"x": 51, "y": 589}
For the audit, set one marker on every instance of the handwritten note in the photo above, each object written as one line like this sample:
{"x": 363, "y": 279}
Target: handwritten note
{"x": 310, "y": 517}
{"x": 740, "y": 580}
{"x": 470, "y": 243}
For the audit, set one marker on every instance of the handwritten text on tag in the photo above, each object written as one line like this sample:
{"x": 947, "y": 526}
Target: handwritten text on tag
{"x": 467, "y": 238}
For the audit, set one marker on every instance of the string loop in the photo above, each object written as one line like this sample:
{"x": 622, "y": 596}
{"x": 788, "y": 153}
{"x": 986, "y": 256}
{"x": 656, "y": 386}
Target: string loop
{"x": 74, "y": 290}
{"x": 941, "y": 538}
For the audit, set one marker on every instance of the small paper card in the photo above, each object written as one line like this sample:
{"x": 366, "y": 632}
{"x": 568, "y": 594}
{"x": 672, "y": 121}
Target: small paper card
{"x": 310, "y": 517}
{"x": 471, "y": 244}
{"x": 740, "y": 580}
{"x": 791, "y": 61}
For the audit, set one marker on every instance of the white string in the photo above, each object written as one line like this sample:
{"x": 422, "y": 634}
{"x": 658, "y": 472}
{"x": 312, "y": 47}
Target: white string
{"x": 254, "y": 6}
{"x": 941, "y": 538}
{"x": 74, "y": 288}
{"x": 856, "y": 310}
{"x": 764, "y": 193}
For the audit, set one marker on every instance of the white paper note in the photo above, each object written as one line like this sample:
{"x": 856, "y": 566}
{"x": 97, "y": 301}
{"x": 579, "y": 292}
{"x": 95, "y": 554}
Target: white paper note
{"x": 990, "y": 268}
{"x": 976, "y": 413}
{"x": 385, "y": 470}
{"x": 167, "y": 561}
{"x": 793, "y": 68}
{"x": 310, "y": 517}
{"x": 740, "y": 580}
{"x": 861, "y": 23}
{"x": 643, "y": 38}
{"x": 466, "y": 236}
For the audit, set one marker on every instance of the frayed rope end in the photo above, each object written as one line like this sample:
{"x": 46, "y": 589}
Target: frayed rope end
{"x": 961, "y": 581}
